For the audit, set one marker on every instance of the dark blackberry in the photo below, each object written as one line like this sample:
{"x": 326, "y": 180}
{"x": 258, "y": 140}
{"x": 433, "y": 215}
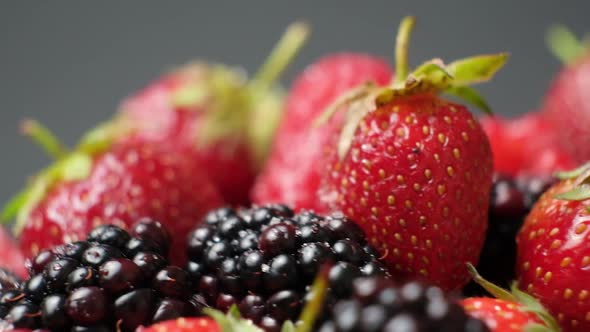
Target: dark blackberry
{"x": 511, "y": 200}
{"x": 378, "y": 304}
{"x": 265, "y": 258}
{"x": 95, "y": 285}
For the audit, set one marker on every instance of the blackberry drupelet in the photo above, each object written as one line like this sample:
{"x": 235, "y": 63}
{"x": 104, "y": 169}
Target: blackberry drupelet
{"x": 510, "y": 202}
{"x": 113, "y": 281}
{"x": 378, "y": 304}
{"x": 264, "y": 259}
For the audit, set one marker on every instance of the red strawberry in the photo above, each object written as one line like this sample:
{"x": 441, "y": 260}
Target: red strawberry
{"x": 201, "y": 324}
{"x": 526, "y": 144}
{"x": 566, "y": 103}
{"x": 292, "y": 174}
{"x": 509, "y": 311}
{"x": 553, "y": 261}
{"x": 226, "y": 121}
{"x": 413, "y": 168}
{"x": 500, "y": 315}
{"x": 112, "y": 182}
{"x": 12, "y": 258}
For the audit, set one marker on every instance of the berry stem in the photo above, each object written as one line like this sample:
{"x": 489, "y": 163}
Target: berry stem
{"x": 314, "y": 306}
{"x": 281, "y": 56}
{"x": 495, "y": 290}
{"x": 401, "y": 48}
{"x": 564, "y": 44}
{"x": 44, "y": 138}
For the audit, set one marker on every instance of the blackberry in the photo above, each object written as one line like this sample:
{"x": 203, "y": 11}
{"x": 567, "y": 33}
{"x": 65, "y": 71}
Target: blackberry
{"x": 113, "y": 281}
{"x": 378, "y": 304}
{"x": 264, "y": 259}
{"x": 510, "y": 202}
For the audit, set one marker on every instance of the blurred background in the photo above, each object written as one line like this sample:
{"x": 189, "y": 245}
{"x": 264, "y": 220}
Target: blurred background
{"x": 69, "y": 63}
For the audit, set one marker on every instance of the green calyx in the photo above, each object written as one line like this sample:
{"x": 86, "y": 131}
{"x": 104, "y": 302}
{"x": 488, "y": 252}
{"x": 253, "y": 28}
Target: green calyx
{"x": 564, "y": 44}
{"x": 527, "y": 302}
{"x": 432, "y": 77}
{"x": 234, "y": 107}
{"x": 581, "y": 183}
{"x": 69, "y": 166}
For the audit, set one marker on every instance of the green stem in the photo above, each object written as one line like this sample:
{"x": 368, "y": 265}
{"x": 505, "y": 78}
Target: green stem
{"x": 44, "y": 138}
{"x": 564, "y": 44}
{"x": 281, "y": 56}
{"x": 401, "y": 48}
{"x": 495, "y": 290}
{"x": 314, "y": 306}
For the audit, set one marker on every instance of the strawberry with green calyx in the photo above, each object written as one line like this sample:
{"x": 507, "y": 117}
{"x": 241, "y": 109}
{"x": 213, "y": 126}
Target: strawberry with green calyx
{"x": 226, "y": 120}
{"x": 566, "y": 104}
{"x": 553, "y": 257}
{"x": 508, "y": 311}
{"x": 111, "y": 182}
{"x": 412, "y": 168}
{"x": 291, "y": 175}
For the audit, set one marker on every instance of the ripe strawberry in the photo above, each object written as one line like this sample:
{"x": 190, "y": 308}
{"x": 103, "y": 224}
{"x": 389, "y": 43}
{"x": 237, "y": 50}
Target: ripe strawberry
{"x": 566, "y": 102}
{"x": 201, "y": 324}
{"x": 500, "y": 315}
{"x": 12, "y": 258}
{"x": 553, "y": 261}
{"x": 509, "y": 311}
{"x": 226, "y": 121}
{"x": 292, "y": 175}
{"x": 525, "y": 145}
{"x": 412, "y": 168}
{"x": 104, "y": 182}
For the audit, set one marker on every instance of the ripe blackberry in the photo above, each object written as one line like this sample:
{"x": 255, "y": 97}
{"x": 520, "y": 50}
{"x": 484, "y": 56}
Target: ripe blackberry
{"x": 378, "y": 304}
{"x": 113, "y": 281}
{"x": 510, "y": 202}
{"x": 264, "y": 259}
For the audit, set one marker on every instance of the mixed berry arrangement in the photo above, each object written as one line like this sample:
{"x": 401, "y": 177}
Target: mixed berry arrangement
{"x": 369, "y": 198}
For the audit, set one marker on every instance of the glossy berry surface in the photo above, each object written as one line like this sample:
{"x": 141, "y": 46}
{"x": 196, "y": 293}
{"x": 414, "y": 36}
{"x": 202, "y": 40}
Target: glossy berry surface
{"x": 265, "y": 258}
{"x": 93, "y": 285}
{"x": 377, "y": 304}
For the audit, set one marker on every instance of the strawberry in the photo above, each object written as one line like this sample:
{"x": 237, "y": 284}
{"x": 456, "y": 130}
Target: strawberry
{"x": 509, "y": 311}
{"x": 525, "y": 145}
{"x": 201, "y": 324}
{"x": 566, "y": 102}
{"x": 500, "y": 315}
{"x": 292, "y": 174}
{"x": 12, "y": 258}
{"x": 226, "y": 121}
{"x": 412, "y": 168}
{"x": 553, "y": 261}
{"x": 112, "y": 182}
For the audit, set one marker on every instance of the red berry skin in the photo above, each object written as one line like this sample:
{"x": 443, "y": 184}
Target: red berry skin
{"x": 12, "y": 257}
{"x": 566, "y": 106}
{"x": 499, "y": 315}
{"x": 553, "y": 262}
{"x": 155, "y": 117}
{"x": 525, "y": 145}
{"x": 130, "y": 181}
{"x": 292, "y": 173}
{"x": 417, "y": 179}
{"x": 200, "y": 324}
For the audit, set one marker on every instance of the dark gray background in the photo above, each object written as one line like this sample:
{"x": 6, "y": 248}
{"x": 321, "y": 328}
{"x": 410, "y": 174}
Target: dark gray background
{"x": 69, "y": 63}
